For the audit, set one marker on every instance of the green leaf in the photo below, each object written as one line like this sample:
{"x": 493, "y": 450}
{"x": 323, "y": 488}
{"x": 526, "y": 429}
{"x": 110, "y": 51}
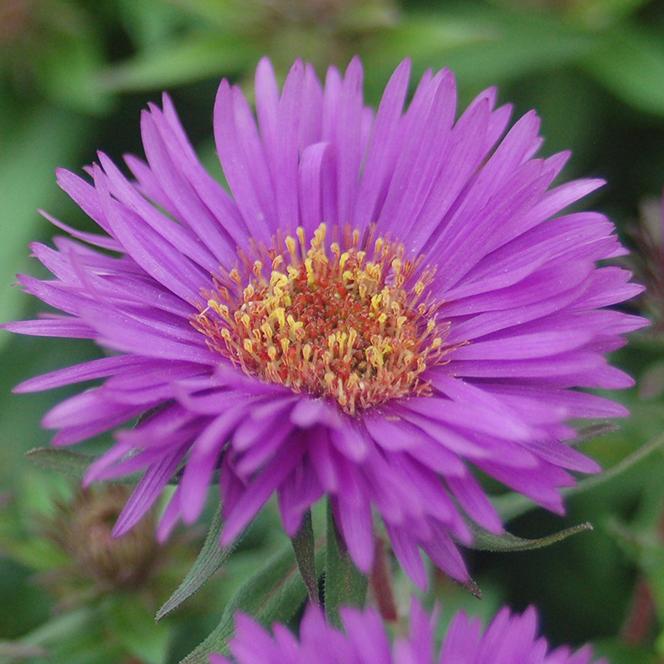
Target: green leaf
{"x": 72, "y": 464}
{"x": 642, "y": 453}
{"x": 36, "y": 554}
{"x": 273, "y": 594}
{"x": 614, "y": 649}
{"x": 598, "y": 13}
{"x": 59, "y": 627}
{"x": 630, "y": 62}
{"x": 486, "y": 541}
{"x": 32, "y": 146}
{"x": 67, "y": 73}
{"x": 131, "y": 623}
{"x": 512, "y": 505}
{"x": 636, "y": 543}
{"x": 482, "y": 45}
{"x": 345, "y": 585}
{"x": 303, "y": 546}
{"x": 192, "y": 59}
{"x": 210, "y": 559}
{"x": 149, "y": 22}
{"x": 229, "y": 16}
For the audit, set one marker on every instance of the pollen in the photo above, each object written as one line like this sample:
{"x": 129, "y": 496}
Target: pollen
{"x": 349, "y": 319}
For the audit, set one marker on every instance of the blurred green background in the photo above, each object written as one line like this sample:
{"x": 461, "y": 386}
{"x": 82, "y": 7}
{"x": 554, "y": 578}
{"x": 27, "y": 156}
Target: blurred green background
{"x": 73, "y": 78}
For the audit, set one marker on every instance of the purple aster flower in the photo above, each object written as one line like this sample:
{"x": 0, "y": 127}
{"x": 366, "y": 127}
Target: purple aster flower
{"x": 382, "y": 301}
{"x": 509, "y": 639}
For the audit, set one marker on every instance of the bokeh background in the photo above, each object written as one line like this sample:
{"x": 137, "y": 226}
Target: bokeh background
{"x": 74, "y": 75}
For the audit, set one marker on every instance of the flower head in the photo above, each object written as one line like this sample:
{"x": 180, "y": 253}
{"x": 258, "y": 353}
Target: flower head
{"x": 353, "y": 326}
{"x": 82, "y": 529}
{"x": 381, "y": 305}
{"x": 509, "y": 639}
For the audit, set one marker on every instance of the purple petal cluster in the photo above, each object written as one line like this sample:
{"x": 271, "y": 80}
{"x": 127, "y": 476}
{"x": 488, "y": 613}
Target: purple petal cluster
{"x": 509, "y": 639}
{"x": 512, "y": 277}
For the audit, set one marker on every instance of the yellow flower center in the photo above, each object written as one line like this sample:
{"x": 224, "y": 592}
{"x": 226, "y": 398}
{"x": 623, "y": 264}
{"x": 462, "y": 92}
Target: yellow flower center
{"x": 351, "y": 321}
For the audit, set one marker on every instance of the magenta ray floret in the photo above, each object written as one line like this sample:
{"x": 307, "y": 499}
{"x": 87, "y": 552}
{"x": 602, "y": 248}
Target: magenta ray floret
{"x": 472, "y": 311}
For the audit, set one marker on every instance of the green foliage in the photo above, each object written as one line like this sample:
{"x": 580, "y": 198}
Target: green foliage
{"x": 629, "y": 61}
{"x": 67, "y": 462}
{"x": 66, "y": 73}
{"x": 344, "y": 583}
{"x": 137, "y": 632}
{"x": 271, "y": 595}
{"x": 34, "y": 142}
{"x": 197, "y": 58}
{"x": 483, "y": 46}
{"x": 304, "y": 547}
{"x": 210, "y": 559}
{"x": 506, "y": 542}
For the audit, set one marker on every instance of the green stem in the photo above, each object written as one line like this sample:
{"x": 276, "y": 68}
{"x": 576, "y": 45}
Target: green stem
{"x": 303, "y": 545}
{"x": 345, "y": 585}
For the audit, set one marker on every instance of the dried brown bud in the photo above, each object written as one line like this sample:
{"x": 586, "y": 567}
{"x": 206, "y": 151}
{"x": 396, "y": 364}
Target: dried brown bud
{"x": 83, "y": 529}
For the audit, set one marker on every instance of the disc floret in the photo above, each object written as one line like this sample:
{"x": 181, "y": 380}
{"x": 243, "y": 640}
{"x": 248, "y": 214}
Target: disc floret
{"x": 351, "y": 320}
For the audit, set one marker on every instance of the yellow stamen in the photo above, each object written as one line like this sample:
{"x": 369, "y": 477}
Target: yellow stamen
{"x": 353, "y": 324}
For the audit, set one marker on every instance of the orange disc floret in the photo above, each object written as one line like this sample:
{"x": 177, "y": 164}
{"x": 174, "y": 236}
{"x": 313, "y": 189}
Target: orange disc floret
{"x": 351, "y": 321}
